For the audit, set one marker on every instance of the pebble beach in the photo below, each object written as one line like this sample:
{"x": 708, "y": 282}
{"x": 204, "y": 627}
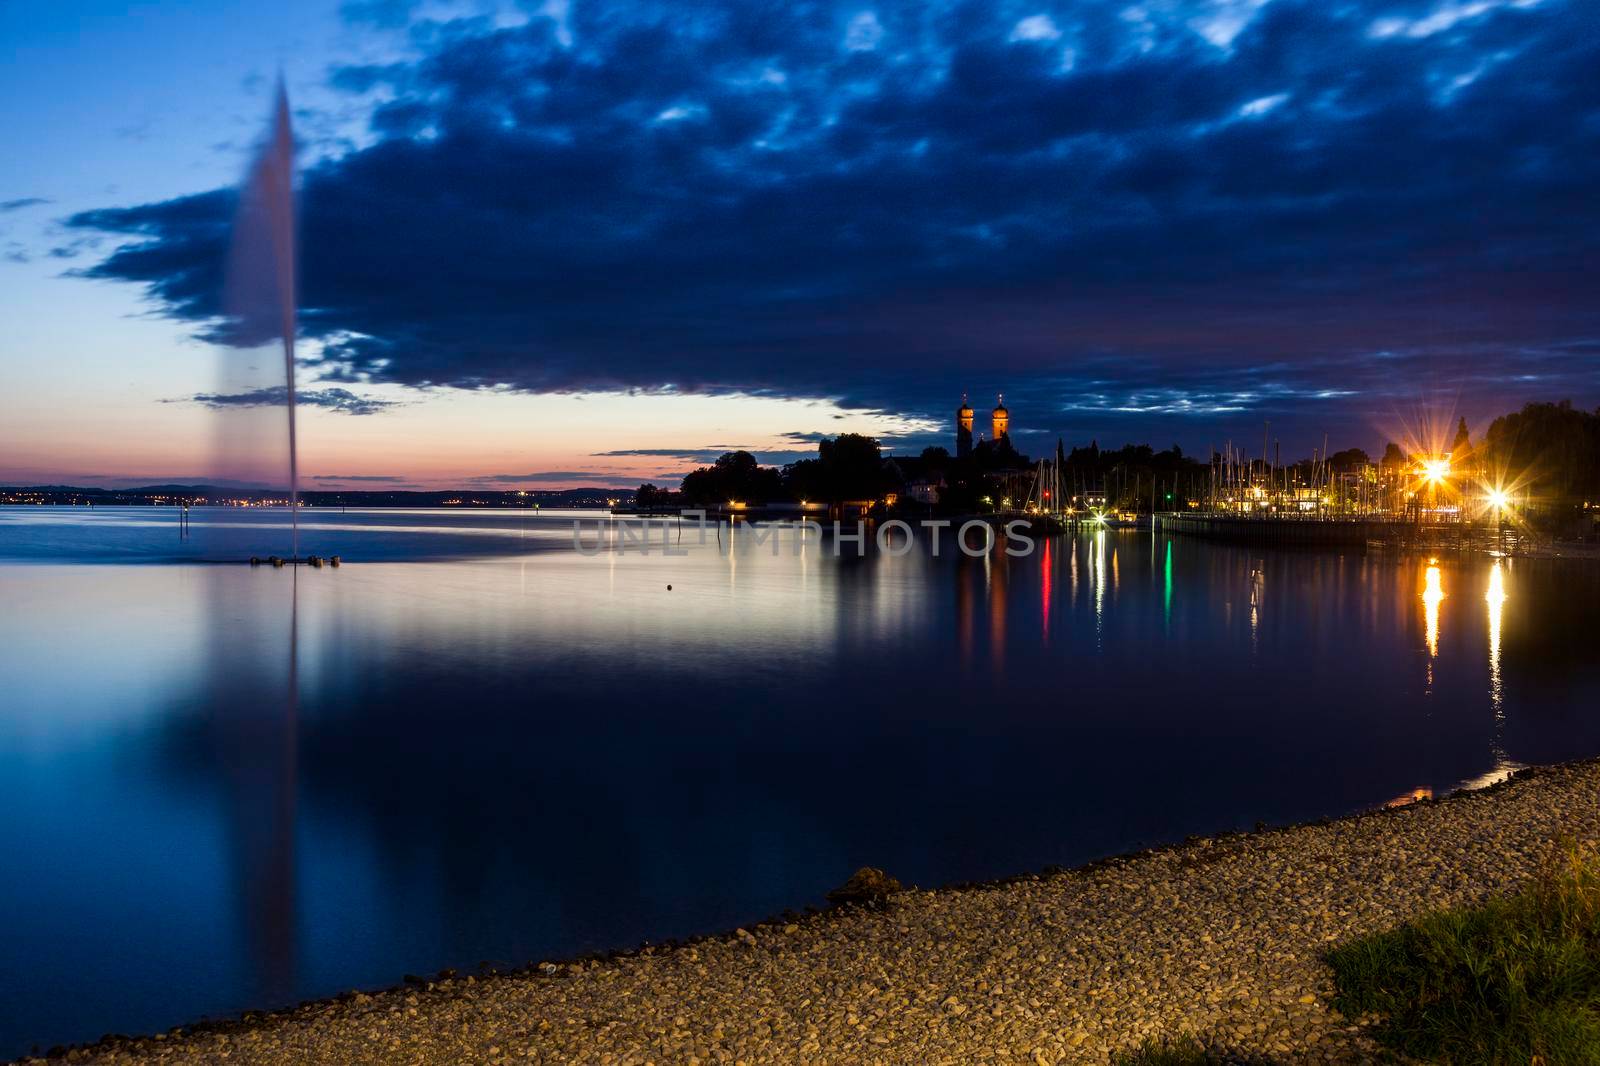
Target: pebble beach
{"x": 1219, "y": 938}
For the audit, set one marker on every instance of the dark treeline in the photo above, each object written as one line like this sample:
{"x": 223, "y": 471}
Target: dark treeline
{"x": 1134, "y": 477}
{"x": 853, "y": 468}
{"x": 848, "y": 468}
{"x": 1549, "y": 451}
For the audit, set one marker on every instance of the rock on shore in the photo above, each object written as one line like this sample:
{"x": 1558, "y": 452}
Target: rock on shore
{"x": 1219, "y": 938}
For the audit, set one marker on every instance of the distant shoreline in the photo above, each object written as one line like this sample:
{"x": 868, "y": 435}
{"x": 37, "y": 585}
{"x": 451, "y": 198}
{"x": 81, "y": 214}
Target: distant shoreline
{"x": 319, "y": 499}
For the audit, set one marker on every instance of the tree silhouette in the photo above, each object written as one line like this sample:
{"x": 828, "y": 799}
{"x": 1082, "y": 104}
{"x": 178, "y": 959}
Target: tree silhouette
{"x": 734, "y": 476}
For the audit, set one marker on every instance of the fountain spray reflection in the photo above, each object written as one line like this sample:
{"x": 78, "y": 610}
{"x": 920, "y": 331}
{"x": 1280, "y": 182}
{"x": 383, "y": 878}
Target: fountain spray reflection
{"x": 245, "y": 744}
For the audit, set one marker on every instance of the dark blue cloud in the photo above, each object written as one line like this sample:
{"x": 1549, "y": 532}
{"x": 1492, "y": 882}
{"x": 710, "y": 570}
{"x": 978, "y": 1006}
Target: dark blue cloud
{"x": 1117, "y": 214}
{"x": 711, "y": 452}
{"x": 386, "y": 14}
{"x": 341, "y": 400}
{"x": 598, "y": 478}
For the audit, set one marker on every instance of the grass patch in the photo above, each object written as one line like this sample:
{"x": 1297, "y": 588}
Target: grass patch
{"x": 1516, "y": 980}
{"x": 1166, "y": 1053}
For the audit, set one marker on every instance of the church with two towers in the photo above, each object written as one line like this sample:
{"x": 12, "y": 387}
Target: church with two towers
{"x": 1000, "y": 422}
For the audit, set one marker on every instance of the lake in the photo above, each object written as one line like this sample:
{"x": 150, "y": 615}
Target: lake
{"x": 229, "y": 787}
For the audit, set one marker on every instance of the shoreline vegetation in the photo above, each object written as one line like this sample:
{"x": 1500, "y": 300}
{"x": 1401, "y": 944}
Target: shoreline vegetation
{"x": 1214, "y": 950}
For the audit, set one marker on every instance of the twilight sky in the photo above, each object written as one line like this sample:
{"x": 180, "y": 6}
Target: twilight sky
{"x": 563, "y": 243}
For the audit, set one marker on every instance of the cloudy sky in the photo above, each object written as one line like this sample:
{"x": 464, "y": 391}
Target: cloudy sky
{"x": 564, "y": 243}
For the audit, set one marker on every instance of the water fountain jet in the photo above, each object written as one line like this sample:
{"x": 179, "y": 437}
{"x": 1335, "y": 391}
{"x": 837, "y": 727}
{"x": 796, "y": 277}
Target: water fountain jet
{"x": 260, "y": 297}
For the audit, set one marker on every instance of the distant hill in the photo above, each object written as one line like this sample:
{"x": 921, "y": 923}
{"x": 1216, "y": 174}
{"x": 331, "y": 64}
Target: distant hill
{"x": 589, "y": 496}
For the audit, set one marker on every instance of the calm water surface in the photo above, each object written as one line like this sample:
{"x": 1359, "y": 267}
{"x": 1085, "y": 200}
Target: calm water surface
{"x": 227, "y": 788}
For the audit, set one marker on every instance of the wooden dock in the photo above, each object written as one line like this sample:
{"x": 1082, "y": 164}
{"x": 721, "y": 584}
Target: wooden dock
{"x": 1286, "y": 531}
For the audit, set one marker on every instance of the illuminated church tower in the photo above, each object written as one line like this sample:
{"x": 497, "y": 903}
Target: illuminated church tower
{"x": 1002, "y": 420}
{"x": 963, "y": 429}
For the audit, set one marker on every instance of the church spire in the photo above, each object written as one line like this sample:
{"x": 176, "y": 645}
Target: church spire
{"x": 963, "y": 428}
{"x": 1001, "y": 418}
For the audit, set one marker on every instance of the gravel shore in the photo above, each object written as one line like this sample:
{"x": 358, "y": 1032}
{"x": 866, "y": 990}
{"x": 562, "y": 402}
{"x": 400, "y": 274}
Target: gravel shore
{"x": 1220, "y": 938}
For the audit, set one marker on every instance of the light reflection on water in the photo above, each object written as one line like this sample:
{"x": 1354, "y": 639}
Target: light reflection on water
{"x": 1496, "y": 599}
{"x": 1432, "y": 596}
{"x": 235, "y": 787}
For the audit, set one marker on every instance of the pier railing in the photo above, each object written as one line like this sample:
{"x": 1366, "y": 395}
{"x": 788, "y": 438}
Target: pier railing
{"x": 1332, "y": 530}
